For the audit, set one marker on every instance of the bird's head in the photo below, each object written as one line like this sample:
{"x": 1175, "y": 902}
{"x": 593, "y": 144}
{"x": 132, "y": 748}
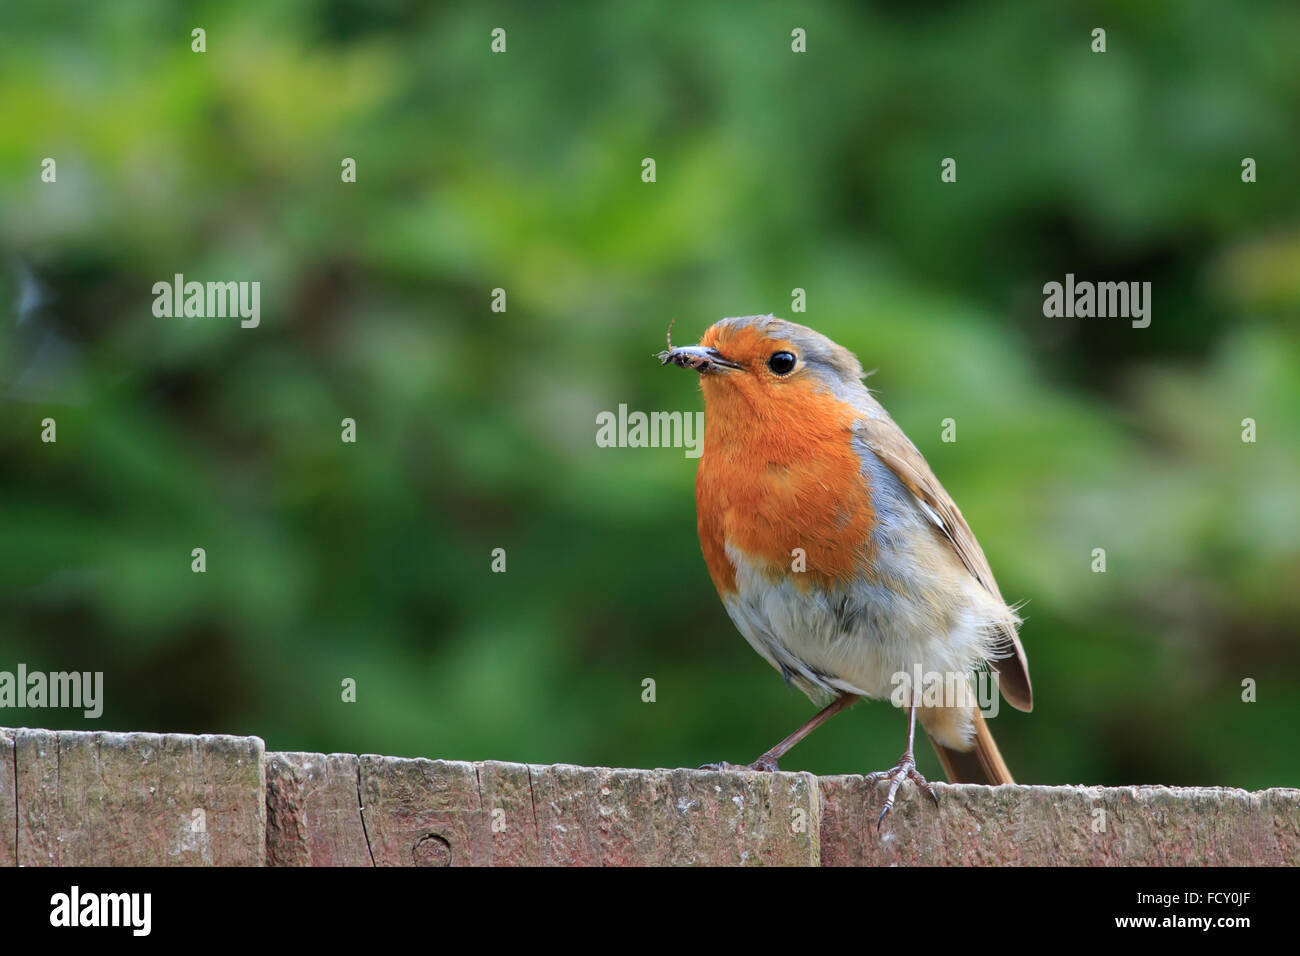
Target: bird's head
{"x": 762, "y": 360}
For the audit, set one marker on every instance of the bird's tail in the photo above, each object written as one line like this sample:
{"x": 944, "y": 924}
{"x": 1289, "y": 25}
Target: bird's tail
{"x": 983, "y": 763}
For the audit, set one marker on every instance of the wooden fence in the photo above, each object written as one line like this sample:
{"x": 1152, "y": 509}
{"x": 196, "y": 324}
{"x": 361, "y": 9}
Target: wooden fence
{"x": 79, "y": 798}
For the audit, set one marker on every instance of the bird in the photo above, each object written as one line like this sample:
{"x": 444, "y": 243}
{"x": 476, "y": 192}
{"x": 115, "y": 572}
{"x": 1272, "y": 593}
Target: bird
{"x": 837, "y": 553}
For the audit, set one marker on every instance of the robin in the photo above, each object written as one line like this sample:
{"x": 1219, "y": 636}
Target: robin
{"x": 837, "y": 553}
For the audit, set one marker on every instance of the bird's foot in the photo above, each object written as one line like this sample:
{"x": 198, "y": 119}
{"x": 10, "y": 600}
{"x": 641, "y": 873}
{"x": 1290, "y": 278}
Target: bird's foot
{"x": 905, "y": 770}
{"x": 765, "y": 764}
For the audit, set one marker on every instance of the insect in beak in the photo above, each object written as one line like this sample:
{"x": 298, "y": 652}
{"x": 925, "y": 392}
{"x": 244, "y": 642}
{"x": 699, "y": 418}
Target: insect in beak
{"x": 694, "y": 356}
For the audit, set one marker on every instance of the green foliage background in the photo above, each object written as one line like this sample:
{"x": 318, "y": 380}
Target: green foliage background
{"x": 476, "y": 429}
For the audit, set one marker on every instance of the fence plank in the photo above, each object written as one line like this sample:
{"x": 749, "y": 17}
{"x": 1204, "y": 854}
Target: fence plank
{"x": 421, "y": 812}
{"x": 597, "y": 816}
{"x": 438, "y": 813}
{"x": 89, "y": 799}
{"x": 8, "y": 801}
{"x": 313, "y": 811}
{"x": 1060, "y": 826}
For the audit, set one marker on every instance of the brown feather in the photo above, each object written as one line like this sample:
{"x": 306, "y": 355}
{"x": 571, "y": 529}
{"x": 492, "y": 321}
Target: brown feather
{"x": 898, "y": 453}
{"x": 982, "y": 764}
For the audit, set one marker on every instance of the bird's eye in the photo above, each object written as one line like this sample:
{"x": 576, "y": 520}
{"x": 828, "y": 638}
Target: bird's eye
{"x": 782, "y": 363}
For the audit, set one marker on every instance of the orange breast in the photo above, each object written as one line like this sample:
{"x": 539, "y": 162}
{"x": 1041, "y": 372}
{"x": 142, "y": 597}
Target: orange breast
{"x": 780, "y": 475}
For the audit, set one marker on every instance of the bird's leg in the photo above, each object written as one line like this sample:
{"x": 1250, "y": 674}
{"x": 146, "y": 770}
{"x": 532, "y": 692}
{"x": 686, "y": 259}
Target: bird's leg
{"x": 904, "y": 769}
{"x": 767, "y": 762}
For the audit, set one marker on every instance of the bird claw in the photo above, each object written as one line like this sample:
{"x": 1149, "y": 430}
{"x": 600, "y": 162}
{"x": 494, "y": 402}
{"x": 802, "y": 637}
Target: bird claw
{"x": 904, "y": 770}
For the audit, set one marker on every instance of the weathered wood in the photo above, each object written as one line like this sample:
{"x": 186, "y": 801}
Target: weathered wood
{"x": 1060, "y": 826}
{"x": 139, "y": 799}
{"x": 674, "y": 817}
{"x": 313, "y": 811}
{"x": 511, "y": 835}
{"x": 446, "y": 813}
{"x": 69, "y": 798}
{"x": 420, "y": 812}
{"x": 8, "y": 801}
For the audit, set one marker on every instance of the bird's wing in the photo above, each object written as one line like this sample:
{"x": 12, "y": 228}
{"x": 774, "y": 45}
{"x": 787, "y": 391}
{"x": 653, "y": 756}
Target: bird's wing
{"x": 886, "y": 440}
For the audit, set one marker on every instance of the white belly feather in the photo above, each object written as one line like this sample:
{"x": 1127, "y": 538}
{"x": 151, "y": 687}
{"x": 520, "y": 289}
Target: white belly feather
{"x": 919, "y": 608}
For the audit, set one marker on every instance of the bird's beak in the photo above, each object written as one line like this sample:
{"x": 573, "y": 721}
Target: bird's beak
{"x": 697, "y": 357}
